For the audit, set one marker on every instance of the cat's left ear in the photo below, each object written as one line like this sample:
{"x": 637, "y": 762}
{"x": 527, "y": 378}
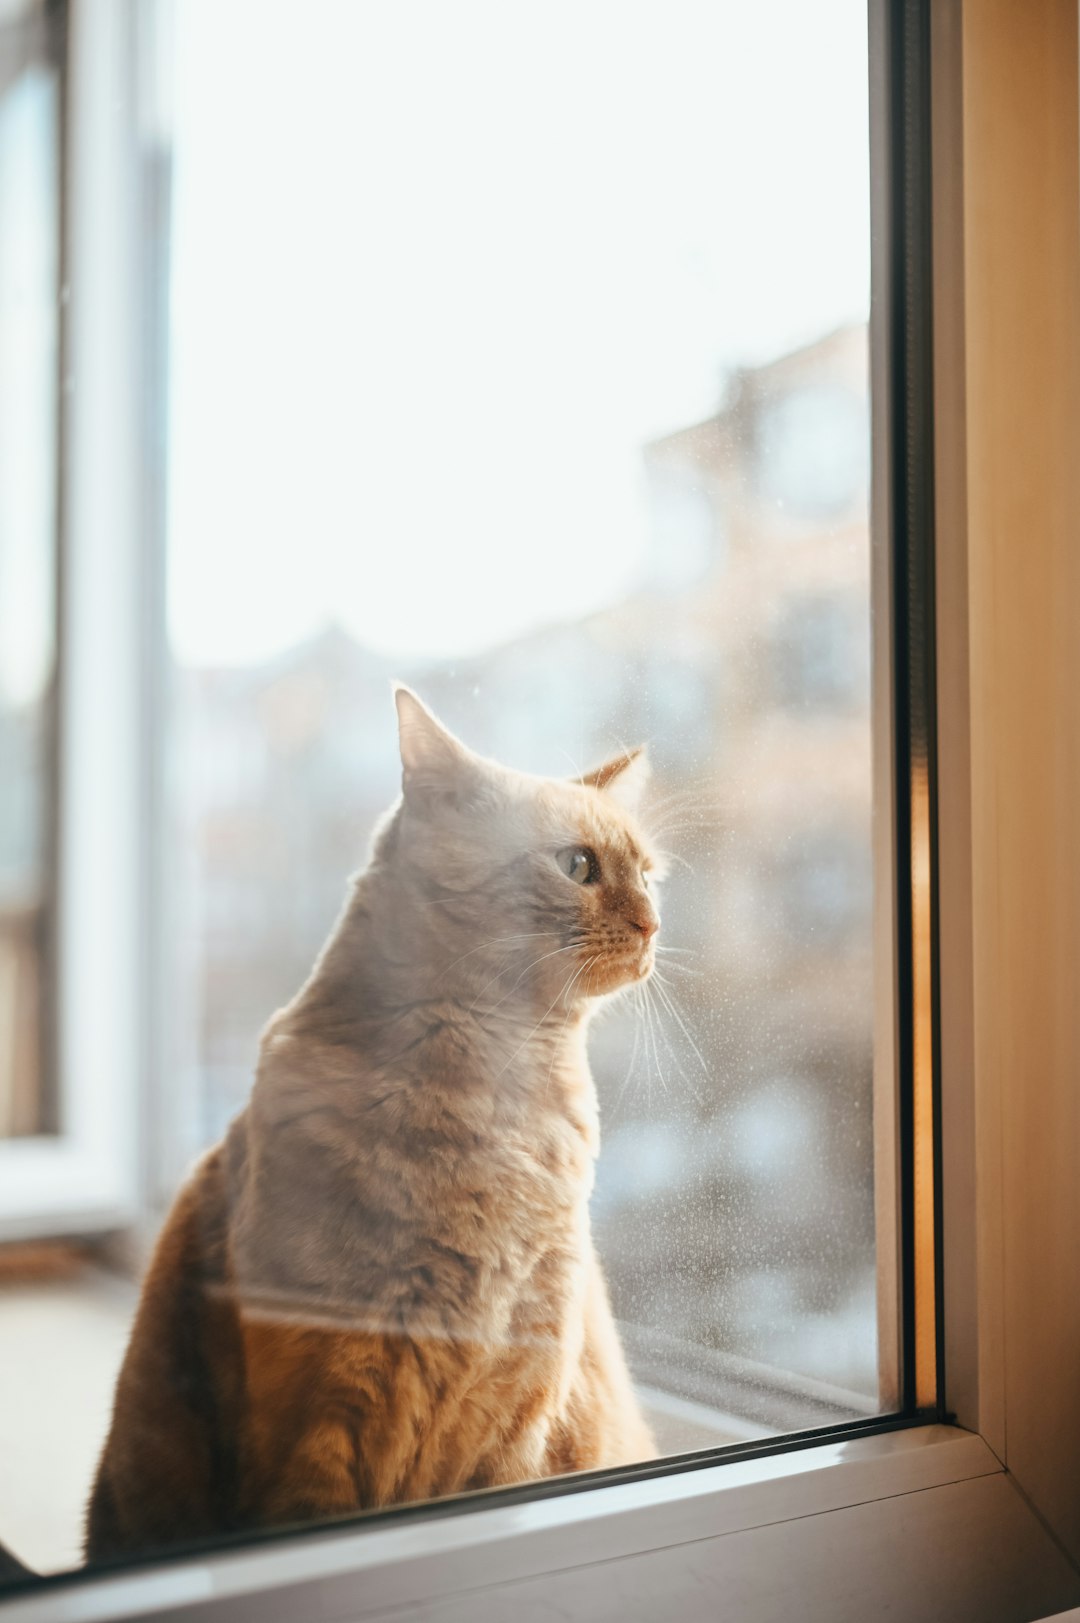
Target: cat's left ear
{"x": 434, "y": 764}
{"x": 625, "y": 777}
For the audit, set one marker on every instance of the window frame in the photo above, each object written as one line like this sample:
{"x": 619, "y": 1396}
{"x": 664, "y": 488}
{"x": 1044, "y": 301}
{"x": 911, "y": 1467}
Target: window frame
{"x": 813, "y": 1522}
{"x": 83, "y": 1177}
{"x": 40, "y": 32}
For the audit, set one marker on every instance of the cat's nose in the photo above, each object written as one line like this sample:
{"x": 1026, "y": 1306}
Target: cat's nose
{"x": 647, "y": 923}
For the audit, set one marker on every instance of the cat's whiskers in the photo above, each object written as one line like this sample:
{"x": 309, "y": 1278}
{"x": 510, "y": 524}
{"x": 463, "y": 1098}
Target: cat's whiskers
{"x": 563, "y": 990}
{"x": 578, "y": 771}
{"x": 681, "y": 1069}
{"x": 666, "y": 995}
{"x": 673, "y": 856}
{"x": 650, "y": 1037}
{"x": 635, "y": 993}
{"x": 654, "y": 998}
{"x": 494, "y": 941}
{"x": 567, "y": 989}
{"x": 681, "y": 797}
{"x": 676, "y": 820}
{"x": 683, "y": 969}
{"x": 573, "y": 946}
{"x": 680, "y": 802}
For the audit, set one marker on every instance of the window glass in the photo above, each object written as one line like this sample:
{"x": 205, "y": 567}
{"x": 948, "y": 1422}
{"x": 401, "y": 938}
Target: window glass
{"x": 29, "y": 306}
{"x": 533, "y": 372}
{"x": 519, "y": 357}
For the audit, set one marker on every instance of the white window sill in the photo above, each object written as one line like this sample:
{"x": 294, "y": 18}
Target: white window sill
{"x": 428, "y": 1565}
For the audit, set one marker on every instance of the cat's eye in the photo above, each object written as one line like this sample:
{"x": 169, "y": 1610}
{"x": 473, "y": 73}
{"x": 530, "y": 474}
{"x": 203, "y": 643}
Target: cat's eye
{"x": 579, "y": 864}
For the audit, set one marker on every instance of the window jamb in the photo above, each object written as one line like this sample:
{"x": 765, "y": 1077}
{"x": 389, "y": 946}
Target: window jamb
{"x": 83, "y": 1177}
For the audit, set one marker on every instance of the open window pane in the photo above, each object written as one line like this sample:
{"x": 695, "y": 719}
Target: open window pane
{"x": 29, "y": 362}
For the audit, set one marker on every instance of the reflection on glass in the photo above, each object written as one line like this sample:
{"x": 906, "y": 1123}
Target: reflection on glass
{"x": 29, "y": 258}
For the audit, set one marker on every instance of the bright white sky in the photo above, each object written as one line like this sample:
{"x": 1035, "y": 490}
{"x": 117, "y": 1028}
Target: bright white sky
{"x": 442, "y": 267}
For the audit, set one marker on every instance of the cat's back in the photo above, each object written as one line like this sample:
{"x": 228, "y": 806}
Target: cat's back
{"x": 166, "y": 1469}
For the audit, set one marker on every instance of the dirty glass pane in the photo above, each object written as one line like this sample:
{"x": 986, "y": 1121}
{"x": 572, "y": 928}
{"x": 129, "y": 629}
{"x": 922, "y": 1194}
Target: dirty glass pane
{"x": 535, "y": 374}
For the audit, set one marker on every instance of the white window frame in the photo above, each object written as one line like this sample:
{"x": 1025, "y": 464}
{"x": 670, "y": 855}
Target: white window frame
{"x": 85, "y": 1176}
{"x": 978, "y": 1519}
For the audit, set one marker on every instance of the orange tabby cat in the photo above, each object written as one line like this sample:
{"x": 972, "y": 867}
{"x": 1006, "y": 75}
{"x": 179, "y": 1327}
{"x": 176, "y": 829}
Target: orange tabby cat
{"x": 382, "y": 1285}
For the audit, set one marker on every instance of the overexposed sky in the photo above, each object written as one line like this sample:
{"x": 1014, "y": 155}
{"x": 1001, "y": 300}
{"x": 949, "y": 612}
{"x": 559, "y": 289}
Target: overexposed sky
{"x": 441, "y": 269}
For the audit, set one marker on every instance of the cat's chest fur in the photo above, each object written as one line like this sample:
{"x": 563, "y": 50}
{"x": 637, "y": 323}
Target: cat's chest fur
{"x": 413, "y": 1258}
{"x": 426, "y": 1197}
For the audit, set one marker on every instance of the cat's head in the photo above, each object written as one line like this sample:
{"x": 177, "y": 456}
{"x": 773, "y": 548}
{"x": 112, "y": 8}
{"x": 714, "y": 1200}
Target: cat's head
{"x": 527, "y": 888}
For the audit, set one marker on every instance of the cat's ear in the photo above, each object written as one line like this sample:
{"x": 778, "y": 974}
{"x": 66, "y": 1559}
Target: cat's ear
{"x": 434, "y": 764}
{"x": 624, "y": 777}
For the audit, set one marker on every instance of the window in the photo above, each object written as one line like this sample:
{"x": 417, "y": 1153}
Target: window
{"x": 980, "y": 831}
{"x": 29, "y": 384}
{"x": 506, "y": 415}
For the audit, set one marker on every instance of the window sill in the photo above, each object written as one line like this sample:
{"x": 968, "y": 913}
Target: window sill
{"x": 430, "y": 1563}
